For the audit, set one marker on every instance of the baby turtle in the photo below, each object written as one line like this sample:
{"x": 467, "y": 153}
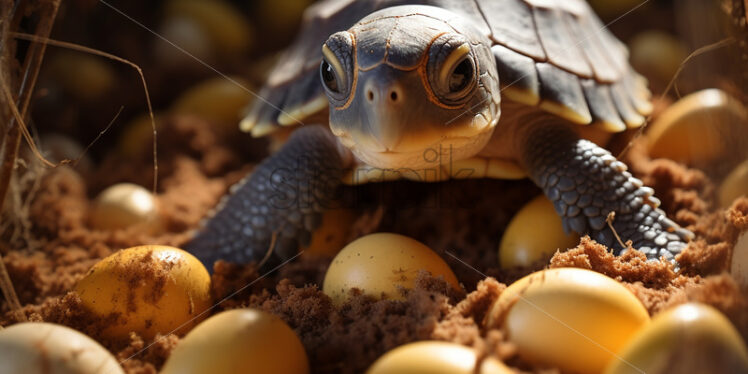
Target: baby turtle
{"x": 413, "y": 89}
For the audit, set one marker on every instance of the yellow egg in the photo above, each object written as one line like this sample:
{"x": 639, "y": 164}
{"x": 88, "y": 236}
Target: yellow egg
{"x": 85, "y": 76}
{"x": 124, "y": 205}
{"x": 703, "y": 127}
{"x": 534, "y": 234}
{"x": 569, "y": 318}
{"x": 218, "y": 99}
{"x": 739, "y": 261}
{"x": 658, "y": 53}
{"x": 380, "y": 264}
{"x": 46, "y": 348}
{"x": 735, "y": 185}
{"x": 239, "y": 341}
{"x": 435, "y": 357}
{"x": 331, "y": 236}
{"x": 137, "y": 136}
{"x": 227, "y": 28}
{"x": 151, "y": 288}
{"x": 191, "y": 37}
{"x": 688, "y": 339}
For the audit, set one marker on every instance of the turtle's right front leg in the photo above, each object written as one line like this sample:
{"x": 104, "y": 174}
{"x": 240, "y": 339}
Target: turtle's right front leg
{"x": 283, "y": 197}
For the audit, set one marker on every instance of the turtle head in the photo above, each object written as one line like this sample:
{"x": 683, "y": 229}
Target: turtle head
{"x": 409, "y": 81}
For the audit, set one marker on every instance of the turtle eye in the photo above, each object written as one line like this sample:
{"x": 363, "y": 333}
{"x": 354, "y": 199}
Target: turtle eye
{"x": 452, "y": 69}
{"x": 337, "y": 68}
{"x": 461, "y": 76}
{"x": 327, "y": 73}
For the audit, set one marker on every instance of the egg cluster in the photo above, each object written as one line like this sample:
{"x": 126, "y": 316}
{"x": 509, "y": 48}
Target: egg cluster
{"x": 566, "y": 319}
{"x": 577, "y": 320}
{"x": 154, "y": 290}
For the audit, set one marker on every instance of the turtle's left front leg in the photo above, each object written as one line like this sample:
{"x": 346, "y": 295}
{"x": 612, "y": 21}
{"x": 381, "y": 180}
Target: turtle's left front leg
{"x": 585, "y": 183}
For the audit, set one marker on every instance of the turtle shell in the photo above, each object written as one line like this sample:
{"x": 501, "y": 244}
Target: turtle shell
{"x": 554, "y": 54}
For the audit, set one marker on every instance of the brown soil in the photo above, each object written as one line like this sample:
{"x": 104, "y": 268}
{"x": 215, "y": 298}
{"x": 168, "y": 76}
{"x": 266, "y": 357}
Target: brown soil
{"x": 469, "y": 217}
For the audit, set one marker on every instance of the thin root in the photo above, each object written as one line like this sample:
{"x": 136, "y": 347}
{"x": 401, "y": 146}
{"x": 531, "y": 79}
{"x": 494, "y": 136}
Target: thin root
{"x": 270, "y": 250}
{"x": 609, "y": 220}
{"x": 9, "y": 293}
{"x": 101, "y": 133}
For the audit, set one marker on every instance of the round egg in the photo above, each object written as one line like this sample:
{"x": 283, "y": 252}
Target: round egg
{"x": 688, "y": 339}
{"x": 534, "y": 234}
{"x": 331, "y": 236}
{"x": 435, "y": 357}
{"x": 380, "y": 265}
{"x": 148, "y": 289}
{"x": 734, "y": 185}
{"x": 573, "y": 319}
{"x": 93, "y": 79}
{"x": 137, "y": 137}
{"x": 228, "y": 31}
{"x": 190, "y": 36}
{"x": 46, "y": 348}
{"x": 739, "y": 261}
{"x": 239, "y": 341}
{"x": 125, "y": 205}
{"x": 217, "y": 99}
{"x": 705, "y": 126}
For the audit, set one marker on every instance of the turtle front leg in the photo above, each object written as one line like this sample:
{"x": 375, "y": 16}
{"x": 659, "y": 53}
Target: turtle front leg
{"x": 585, "y": 183}
{"x": 280, "y": 203}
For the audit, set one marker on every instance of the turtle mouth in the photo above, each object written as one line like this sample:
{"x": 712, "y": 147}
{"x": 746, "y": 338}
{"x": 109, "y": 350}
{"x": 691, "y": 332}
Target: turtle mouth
{"x": 441, "y": 152}
{"x": 392, "y": 139}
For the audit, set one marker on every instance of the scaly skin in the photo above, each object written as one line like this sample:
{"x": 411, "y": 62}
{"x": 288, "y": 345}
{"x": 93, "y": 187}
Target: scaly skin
{"x": 284, "y": 196}
{"x": 585, "y": 183}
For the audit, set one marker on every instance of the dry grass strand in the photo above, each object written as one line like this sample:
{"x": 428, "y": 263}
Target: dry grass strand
{"x": 81, "y": 48}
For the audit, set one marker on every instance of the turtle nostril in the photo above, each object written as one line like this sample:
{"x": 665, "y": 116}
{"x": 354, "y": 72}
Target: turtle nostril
{"x": 393, "y": 96}
{"x": 370, "y": 95}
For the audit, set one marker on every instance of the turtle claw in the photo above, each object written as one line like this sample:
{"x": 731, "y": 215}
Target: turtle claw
{"x": 655, "y": 235}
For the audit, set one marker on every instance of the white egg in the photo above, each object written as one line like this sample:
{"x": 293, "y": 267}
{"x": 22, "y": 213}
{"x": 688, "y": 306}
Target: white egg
{"x": 46, "y": 348}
